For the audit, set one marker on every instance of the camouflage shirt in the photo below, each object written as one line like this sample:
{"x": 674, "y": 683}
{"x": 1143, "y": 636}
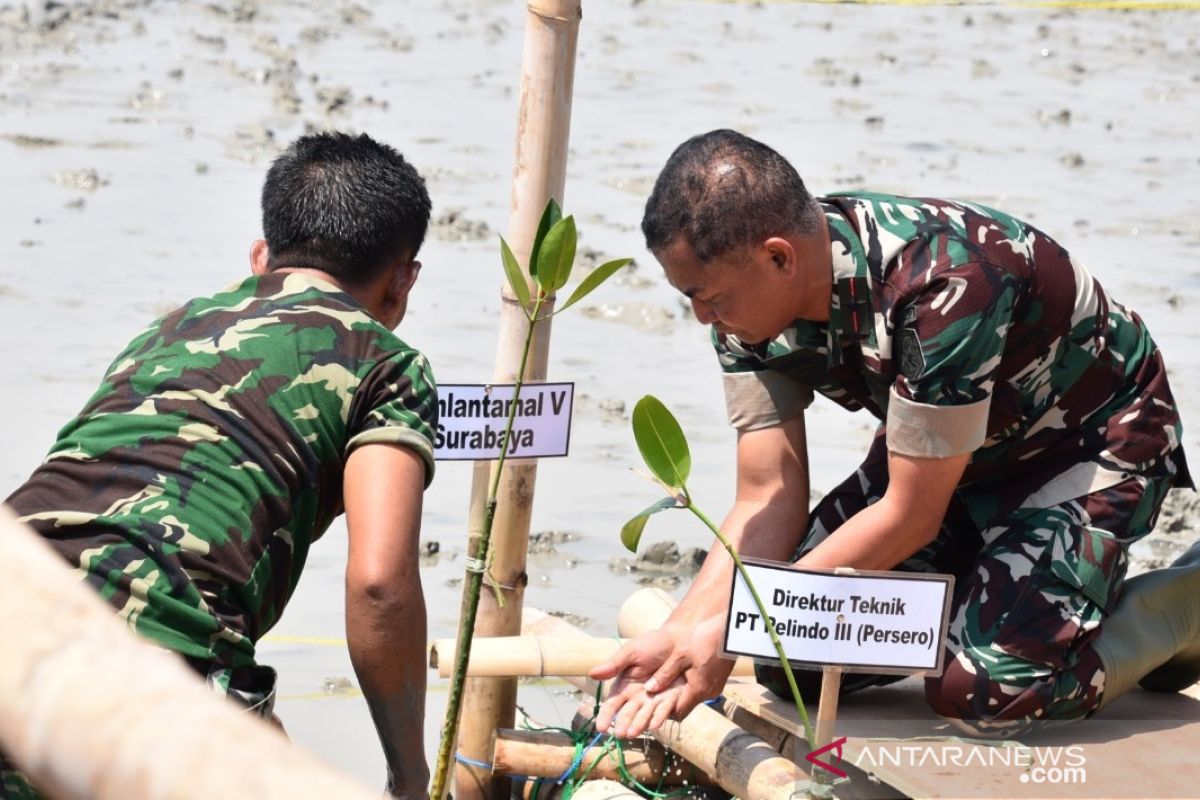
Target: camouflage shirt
{"x": 964, "y": 330}
{"x": 190, "y": 487}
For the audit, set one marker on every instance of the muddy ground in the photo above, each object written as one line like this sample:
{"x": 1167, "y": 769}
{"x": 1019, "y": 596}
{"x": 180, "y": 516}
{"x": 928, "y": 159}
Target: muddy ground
{"x": 134, "y": 136}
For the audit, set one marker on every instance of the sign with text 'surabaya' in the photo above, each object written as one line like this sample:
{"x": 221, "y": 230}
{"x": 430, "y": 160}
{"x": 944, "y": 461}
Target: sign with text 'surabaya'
{"x": 472, "y": 419}
{"x": 889, "y": 622}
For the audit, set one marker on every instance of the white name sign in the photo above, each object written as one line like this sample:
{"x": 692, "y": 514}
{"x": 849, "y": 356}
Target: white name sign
{"x": 871, "y": 621}
{"x": 472, "y": 418}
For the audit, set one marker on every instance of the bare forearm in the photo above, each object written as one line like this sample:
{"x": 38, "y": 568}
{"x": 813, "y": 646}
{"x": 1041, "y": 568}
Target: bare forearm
{"x": 755, "y": 530}
{"x": 876, "y": 538}
{"x": 903, "y": 521}
{"x": 386, "y": 636}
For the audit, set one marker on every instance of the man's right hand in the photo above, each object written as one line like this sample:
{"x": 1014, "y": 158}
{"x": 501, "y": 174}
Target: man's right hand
{"x": 662, "y": 675}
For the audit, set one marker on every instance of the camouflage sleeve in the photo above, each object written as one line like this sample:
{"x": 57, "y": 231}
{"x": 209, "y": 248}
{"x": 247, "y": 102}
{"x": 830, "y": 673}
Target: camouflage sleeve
{"x": 756, "y": 396}
{"x": 396, "y": 403}
{"x": 950, "y": 334}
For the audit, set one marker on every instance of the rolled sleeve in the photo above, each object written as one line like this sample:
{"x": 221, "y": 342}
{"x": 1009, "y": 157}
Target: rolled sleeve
{"x": 399, "y": 435}
{"x": 929, "y": 431}
{"x": 763, "y": 398}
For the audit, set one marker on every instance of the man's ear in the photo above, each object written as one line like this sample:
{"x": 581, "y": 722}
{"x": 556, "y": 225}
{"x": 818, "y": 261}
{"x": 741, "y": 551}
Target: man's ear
{"x": 781, "y": 253}
{"x": 405, "y": 277}
{"x": 259, "y": 257}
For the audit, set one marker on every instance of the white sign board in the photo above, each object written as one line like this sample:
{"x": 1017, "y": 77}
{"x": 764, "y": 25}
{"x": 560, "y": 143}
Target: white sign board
{"x": 871, "y": 621}
{"x": 472, "y": 418}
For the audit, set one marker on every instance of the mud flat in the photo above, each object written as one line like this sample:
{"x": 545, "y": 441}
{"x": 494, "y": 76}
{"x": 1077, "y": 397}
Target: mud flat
{"x": 134, "y": 136}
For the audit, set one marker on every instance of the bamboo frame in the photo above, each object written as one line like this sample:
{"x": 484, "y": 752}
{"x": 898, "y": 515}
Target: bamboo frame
{"x": 539, "y": 173}
{"x": 743, "y": 764}
{"x": 70, "y": 717}
{"x": 548, "y": 754}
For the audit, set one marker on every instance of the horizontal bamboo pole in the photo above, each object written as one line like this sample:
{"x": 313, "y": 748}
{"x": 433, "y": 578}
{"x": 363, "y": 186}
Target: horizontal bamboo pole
{"x": 89, "y": 711}
{"x": 535, "y": 656}
{"x": 549, "y": 754}
{"x": 643, "y": 611}
{"x": 742, "y": 763}
{"x": 524, "y": 656}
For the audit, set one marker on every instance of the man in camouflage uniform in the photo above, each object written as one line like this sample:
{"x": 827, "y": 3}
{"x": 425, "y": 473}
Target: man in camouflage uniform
{"x": 228, "y": 435}
{"x": 1027, "y": 437}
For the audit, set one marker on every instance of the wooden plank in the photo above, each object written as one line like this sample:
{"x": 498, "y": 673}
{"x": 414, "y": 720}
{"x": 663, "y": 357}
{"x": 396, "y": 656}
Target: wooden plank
{"x": 1144, "y": 746}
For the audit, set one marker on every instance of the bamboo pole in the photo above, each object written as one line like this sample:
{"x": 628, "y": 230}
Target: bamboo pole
{"x": 89, "y": 711}
{"x": 524, "y": 656}
{"x": 539, "y": 173}
{"x": 548, "y": 754}
{"x": 643, "y": 611}
{"x": 743, "y": 764}
{"x": 536, "y": 656}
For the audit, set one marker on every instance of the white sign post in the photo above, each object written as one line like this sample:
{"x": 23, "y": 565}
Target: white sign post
{"x": 841, "y": 620}
{"x": 472, "y": 418}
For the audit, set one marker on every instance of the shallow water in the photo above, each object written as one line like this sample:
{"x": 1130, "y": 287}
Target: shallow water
{"x": 132, "y": 149}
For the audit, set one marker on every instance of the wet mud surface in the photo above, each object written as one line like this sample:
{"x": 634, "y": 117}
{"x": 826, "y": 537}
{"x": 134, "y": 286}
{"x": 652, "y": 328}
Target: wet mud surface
{"x": 134, "y": 136}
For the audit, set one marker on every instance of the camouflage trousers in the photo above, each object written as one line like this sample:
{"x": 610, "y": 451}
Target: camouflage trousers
{"x": 1032, "y": 587}
{"x": 253, "y": 688}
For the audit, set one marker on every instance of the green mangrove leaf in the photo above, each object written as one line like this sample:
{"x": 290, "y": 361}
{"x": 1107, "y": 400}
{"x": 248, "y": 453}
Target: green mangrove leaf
{"x": 661, "y": 442}
{"x": 550, "y": 217}
{"x": 596, "y": 277}
{"x": 557, "y": 255}
{"x": 516, "y": 277}
{"x": 631, "y": 532}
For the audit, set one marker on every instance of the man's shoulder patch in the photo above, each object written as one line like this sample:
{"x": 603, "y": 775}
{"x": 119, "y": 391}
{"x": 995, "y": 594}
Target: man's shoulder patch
{"x": 909, "y": 355}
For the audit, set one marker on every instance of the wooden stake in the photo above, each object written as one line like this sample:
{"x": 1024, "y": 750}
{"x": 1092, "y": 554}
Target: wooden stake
{"x": 831, "y": 685}
{"x": 87, "y": 710}
{"x": 539, "y": 173}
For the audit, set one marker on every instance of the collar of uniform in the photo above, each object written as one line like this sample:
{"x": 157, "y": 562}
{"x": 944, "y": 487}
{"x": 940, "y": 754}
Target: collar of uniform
{"x": 850, "y": 319}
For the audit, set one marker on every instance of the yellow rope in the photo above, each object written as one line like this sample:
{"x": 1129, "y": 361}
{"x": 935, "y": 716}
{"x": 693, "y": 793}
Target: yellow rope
{"x": 321, "y": 641}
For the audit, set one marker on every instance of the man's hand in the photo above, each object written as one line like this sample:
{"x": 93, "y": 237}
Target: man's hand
{"x": 662, "y": 675}
{"x": 666, "y": 673}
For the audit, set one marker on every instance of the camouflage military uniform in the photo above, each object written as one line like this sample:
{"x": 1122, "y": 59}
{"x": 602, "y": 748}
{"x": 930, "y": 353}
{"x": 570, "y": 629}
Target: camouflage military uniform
{"x": 189, "y": 489}
{"x": 962, "y": 330}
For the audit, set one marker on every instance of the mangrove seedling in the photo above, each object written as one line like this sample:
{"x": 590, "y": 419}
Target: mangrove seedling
{"x": 550, "y": 264}
{"x": 664, "y": 448}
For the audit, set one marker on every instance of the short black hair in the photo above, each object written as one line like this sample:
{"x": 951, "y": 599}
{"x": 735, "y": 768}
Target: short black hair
{"x": 343, "y": 204}
{"x": 722, "y": 190}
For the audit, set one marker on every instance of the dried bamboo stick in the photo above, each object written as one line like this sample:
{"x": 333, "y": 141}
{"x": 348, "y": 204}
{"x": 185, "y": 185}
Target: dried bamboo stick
{"x": 72, "y": 721}
{"x": 539, "y": 173}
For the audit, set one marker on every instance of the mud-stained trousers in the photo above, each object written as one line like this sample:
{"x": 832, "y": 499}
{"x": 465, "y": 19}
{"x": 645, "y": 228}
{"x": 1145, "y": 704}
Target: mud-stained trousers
{"x": 1032, "y": 587}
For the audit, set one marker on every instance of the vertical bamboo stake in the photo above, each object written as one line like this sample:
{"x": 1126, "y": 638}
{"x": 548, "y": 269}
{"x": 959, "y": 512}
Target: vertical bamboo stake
{"x": 543, "y": 127}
